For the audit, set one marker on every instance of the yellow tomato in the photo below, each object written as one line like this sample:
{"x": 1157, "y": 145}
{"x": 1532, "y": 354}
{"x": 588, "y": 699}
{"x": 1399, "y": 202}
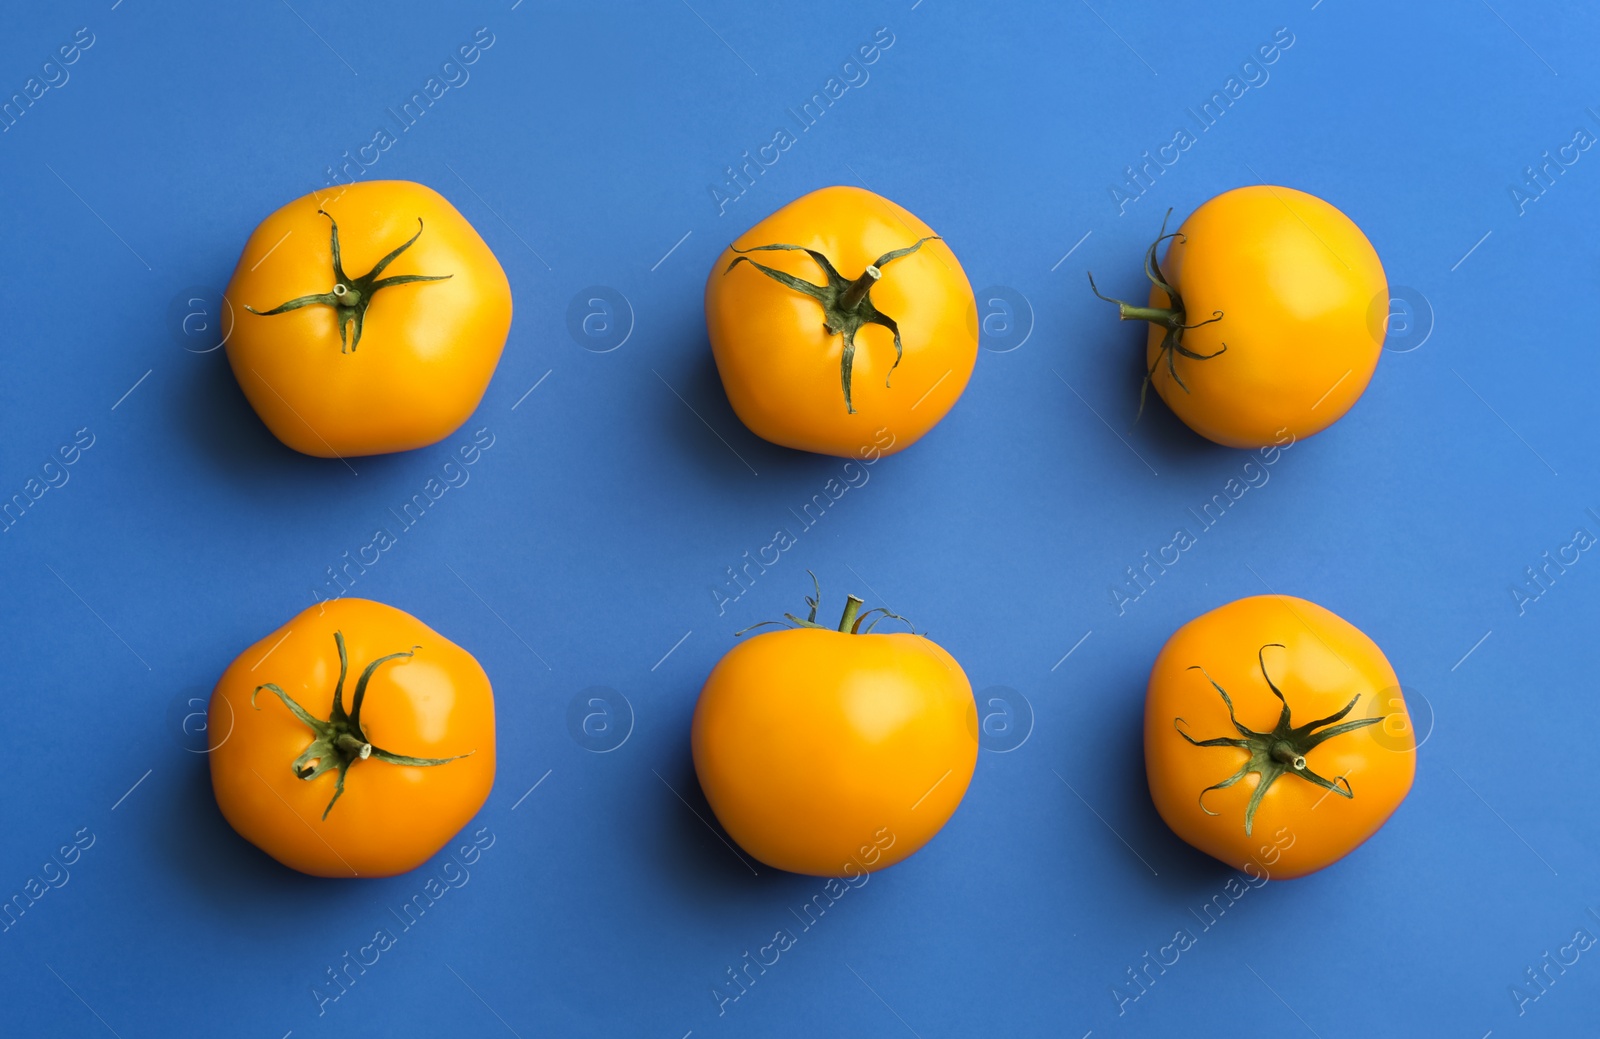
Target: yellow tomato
{"x": 355, "y": 741}
{"x": 835, "y": 753}
{"x": 840, "y": 316}
{"x": 1266, "y": 318}
{"x": 1276, "y": 737}
{"x": 366, "y": 320}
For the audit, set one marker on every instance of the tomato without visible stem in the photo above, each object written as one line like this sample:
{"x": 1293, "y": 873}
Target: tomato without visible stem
{"x": 1313, "y": 773}
{"x": 363, "y": 356}
{"x": 878, "y": 329}
{"x": 1284, "y": 305}
{"x": 831, "y": 752}
{"x": 408, "y": 759}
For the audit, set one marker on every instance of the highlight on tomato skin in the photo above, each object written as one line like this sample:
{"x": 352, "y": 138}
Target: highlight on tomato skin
{"x": 354, "y": 741}
{"x": 1276, "y": 736}
{"x": 1266, "y": 317}
{"x": 835, "y": 751}
{"x": 839, "y": 315}
{"x": 366, "y": 320}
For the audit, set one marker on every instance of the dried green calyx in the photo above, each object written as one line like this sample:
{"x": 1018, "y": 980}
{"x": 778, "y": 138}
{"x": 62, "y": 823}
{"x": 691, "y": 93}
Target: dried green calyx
{"x": 1279, "y": 752}
{"x": 846, "y": 304}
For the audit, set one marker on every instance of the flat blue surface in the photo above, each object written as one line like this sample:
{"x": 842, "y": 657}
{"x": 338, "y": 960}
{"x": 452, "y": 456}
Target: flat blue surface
{"x": 585, "y": 144}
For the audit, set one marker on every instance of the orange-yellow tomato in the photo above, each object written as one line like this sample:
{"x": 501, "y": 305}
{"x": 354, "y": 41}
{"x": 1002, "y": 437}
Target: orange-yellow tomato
{"x": 387, "y": 757}
{"x": 831, "y": 753}
{"x": 1304, "y": 307}
{"x": 808, "y": 349}
{"x": 369, "y": 355}
{"x": 1272, "y": 784}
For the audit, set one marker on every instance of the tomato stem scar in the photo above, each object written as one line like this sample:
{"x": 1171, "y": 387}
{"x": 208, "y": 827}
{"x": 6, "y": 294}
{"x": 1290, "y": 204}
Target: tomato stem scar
{"x": 341, "y": 741}
{"x": 1171, "y": 317}
{"x": 349, "y": 296}
{"x": 846, "y": 304}
{"x": 1279, "y": 752}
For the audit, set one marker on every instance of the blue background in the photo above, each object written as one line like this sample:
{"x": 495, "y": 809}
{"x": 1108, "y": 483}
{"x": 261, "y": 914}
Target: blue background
{"x": 585, "y": 545}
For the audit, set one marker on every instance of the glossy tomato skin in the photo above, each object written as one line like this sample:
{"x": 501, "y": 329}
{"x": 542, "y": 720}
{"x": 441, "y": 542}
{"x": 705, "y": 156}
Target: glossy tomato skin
{"x": 391, "y": 818}
{"x": 427, "y": 349}
{"x": 1325, "y": 661}
{"x": 833, "y": 754}
{"x": 1305, "y": 306}
{"x": 781, "y": 367}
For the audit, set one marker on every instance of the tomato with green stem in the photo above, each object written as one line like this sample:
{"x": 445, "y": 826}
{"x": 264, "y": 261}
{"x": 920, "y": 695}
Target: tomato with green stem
{"x": 832, "y": 751}
{"x": 369, "y": 786}
{"x": 1276, "y": 735}
{"x": 340, "y": 363}
{"x": 1267, "y": 316}
{"x": 886, "y": 339}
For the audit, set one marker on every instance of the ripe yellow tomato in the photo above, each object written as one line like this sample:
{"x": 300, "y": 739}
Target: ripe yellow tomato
{"x": 1267, "y": 316}
{"x": 837, "y": 317}
{"x": 366, "y": 321}
{"x": 835, "y": 753}
{"x": 354, "y": 741}
{"x": 1276, "y": 737}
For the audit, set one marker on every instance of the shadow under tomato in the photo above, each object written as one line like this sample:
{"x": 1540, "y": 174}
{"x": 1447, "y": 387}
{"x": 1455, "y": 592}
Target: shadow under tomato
{"x": 701, "y": 386}
{"x": 704, "y": 863}
{"x": 219, "y": 866}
